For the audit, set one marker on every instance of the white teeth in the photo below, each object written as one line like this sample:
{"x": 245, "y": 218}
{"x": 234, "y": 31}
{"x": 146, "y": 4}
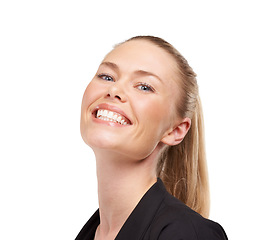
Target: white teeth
{"x": 106, "y": 115}
{"x": 119, "y": 119}
{"x": 114, "y": 117}
{"x": 110, "y": 114}
{"x": 105, "y": 112}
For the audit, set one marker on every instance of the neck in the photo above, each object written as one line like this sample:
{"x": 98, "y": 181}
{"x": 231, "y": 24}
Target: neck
{"x": 122, "y": 182}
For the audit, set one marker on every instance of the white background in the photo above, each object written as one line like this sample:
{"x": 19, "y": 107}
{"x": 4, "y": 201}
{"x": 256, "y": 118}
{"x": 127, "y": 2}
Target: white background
{"x": 49, "y": 51}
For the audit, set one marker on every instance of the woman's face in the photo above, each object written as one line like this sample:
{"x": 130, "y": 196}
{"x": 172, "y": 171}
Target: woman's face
{"x": 129, "y": 106}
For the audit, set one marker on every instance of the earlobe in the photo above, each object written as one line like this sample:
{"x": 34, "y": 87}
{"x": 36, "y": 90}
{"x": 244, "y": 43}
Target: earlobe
{"x": 176, "y": 135}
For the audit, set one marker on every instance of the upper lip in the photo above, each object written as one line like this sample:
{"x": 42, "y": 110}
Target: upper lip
{"x": 111, "y": 108}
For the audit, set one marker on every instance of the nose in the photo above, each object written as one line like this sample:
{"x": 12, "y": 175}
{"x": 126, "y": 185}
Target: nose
{"x": 116, "y": 91}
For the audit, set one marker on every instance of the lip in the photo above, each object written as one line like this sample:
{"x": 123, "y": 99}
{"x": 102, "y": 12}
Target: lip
{"x": 113, "y": 109}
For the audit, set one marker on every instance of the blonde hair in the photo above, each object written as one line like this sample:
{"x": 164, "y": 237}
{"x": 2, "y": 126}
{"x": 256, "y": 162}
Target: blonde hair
{"x": 183, "y": 168}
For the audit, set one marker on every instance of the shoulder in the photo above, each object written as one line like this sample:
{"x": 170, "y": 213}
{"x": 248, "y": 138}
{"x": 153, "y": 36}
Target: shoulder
{"x": 174, "y": 220}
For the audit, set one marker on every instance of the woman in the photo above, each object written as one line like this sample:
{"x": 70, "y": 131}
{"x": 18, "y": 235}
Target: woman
{"x": 141, "y": 115}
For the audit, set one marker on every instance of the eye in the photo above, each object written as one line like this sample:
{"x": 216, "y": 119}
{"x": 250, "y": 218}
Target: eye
{"x": 145, "y": 87}
{"x": 106, "y": 77}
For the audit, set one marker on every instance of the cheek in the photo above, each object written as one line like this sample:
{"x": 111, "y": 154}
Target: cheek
{"x": 155, "y": 113}
{"x": 93, "y": 92}
{"x": 89, "y": 95}
{"x": 150, "y": 127}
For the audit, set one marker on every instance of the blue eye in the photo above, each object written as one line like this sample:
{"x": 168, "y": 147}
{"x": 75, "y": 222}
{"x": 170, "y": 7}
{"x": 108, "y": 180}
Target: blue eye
{"x": 106, "y": 77}
{"x": 145, "y": 87}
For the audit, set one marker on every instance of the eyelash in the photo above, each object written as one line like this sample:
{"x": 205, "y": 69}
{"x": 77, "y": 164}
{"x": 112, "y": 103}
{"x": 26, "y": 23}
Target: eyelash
{"x": 140, "y": 84}
{"x": 106, "y": 75}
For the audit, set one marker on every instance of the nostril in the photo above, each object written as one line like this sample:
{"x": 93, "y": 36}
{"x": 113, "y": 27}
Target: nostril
{"x": 115, "y": 96}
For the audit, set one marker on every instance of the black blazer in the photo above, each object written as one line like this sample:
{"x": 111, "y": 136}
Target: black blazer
{"x": 160, "y": 216}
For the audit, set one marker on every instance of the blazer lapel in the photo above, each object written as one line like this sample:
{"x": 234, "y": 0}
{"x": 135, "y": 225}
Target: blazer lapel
{"x": 140, "y": 219}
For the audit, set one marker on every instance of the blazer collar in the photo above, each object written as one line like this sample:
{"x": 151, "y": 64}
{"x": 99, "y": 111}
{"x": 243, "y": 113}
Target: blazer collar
{"x": 139, "y": 220}
{"x": 141, "y": 217}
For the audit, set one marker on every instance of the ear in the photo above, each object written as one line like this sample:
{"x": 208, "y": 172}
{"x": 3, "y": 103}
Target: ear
{"x": 176, "y": 135}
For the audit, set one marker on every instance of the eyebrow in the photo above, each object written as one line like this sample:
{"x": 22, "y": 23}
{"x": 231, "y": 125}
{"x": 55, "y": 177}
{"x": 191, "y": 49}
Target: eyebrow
{"x": 146, "y": 73}
{"x": 138, "y": 72}
{"x": 111, "y": 65}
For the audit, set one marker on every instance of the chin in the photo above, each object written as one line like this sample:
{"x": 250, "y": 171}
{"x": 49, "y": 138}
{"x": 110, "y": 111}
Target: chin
{"x": 99, "y": 140}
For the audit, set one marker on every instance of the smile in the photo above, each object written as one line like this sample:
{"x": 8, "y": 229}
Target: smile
{"x": 111, "y": 116}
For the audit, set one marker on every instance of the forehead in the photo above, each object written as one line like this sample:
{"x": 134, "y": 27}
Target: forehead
{"x": 144, "y": 55}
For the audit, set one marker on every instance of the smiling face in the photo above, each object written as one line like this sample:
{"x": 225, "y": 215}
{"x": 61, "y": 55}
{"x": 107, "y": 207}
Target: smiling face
{"x": 130, "y": 104}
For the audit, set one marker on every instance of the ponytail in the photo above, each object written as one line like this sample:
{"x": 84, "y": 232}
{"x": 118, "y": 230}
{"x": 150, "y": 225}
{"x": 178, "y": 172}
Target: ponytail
{"x": 183, "y": 167}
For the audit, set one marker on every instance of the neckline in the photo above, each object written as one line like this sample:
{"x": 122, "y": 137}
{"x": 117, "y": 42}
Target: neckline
{"x": 140, "y": 218}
